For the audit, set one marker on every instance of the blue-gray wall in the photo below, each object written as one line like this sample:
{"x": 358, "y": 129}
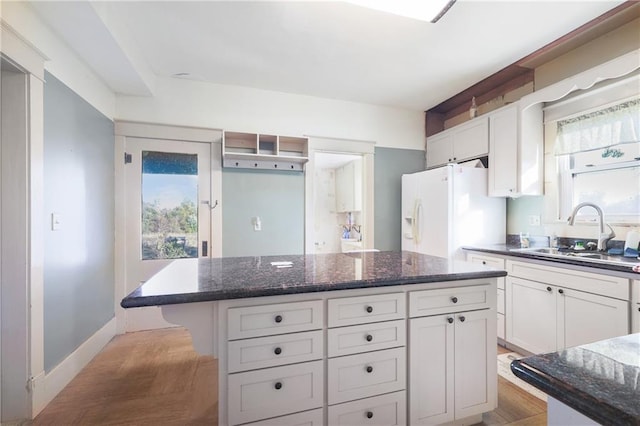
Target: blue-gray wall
{"x": 79, "y": 186}
{"x": 390, "y": 164}
{"x": 277, "y": 198}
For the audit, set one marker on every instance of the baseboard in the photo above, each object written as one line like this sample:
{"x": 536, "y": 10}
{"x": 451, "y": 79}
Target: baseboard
{"x": 46, "y": 388}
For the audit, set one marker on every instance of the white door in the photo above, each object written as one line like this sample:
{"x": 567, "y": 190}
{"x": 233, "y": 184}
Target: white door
{"x": 431, "y": 357}
{"x": 587, "y": 318}
{"x": 168, "y": 211}
{"x": 531, "y": 315}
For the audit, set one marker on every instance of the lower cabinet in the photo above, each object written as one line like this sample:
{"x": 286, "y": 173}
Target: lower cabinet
{"x": 546, "y": 318}
{"x": 498, "y": 263}
{"x": 383, "y": 410}
{"x": 307, "y": 418}
{"x": 453, "y": 367}
{"x": 635, "y": 307}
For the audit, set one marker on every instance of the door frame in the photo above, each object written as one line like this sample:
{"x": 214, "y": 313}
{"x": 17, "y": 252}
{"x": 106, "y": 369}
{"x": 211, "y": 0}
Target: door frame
{"x": 340, "y": 146}
{"x": 125, "y": 129}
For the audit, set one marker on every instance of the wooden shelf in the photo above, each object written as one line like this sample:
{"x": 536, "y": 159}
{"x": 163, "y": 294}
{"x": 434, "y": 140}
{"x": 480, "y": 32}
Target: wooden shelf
{"x": 263, "y": 151}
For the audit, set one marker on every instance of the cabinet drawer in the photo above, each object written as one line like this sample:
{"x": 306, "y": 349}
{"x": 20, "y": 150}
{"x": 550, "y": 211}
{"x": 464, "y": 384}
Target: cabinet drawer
{"x": 384, "y": 410}
{"x": 604, "y": 285}
{"x": 270, "y": 351}
{"x": 448, "y": 300}
{"x": 272, "y": 392}
{"x": 365, "y": 309}
{"x": 494, "y": 262}
{"x": 265, "y": 320}
{"x": 363, "y": 375}
{"x": 500, "y": 301}
{"x": 307, "y": 418}
{"x": 364, "y": 338}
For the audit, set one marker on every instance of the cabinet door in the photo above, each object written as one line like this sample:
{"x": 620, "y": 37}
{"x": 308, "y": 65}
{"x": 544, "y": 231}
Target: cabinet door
{"x": 475, "y": 363}
{"x": 503, "y": 152}
{"x": 531, "y": 315}
{"x": 431, "y": 359}
{"x": 635, "y": 318}
{"x": 586, "y": 318}
{"x": 439, "y": 150}
{"x": 471, "y": 140}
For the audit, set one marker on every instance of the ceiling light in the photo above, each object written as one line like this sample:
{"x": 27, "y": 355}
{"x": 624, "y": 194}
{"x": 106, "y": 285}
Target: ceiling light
{"x": 424, "y": 10}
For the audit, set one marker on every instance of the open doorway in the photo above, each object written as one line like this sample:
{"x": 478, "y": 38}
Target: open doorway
{"x": 339, "y": 196}
{"x": 337, "y": 203}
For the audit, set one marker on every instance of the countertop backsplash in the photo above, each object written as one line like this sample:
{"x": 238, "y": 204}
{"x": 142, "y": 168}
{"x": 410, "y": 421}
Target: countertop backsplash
{"x": 543, "y": 241}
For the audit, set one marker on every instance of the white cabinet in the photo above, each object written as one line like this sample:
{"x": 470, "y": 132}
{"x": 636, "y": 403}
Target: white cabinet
{"x": 546, "y": 312}
{"x": 498, "y": 263}
{"x": 463, "y": 142}
{"x": 516, "y": 151}
{"x": 383, "y": 410}
{"x": 349, "y": 187}
{"x": 261, "y": 151}
{"x": 452, "y": 357}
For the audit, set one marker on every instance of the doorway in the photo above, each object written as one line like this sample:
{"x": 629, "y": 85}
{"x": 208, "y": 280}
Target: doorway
{"x": 339, "y": 196}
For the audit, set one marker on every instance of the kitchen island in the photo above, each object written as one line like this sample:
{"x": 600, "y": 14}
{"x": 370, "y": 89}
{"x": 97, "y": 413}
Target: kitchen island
{"x": 348, "y": 338}
{"x": 596, "y": 383}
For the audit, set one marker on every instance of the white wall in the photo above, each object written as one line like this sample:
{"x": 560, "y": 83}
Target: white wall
{"x": 194, "y": 103}
{"x": 62, "y": 62}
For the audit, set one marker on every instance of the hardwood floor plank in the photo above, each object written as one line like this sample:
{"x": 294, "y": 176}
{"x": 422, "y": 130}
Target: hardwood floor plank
{"x": 156, "y": 378}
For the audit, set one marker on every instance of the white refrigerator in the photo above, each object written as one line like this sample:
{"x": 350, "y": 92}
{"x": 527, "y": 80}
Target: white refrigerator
{"x": 446, "y": 208}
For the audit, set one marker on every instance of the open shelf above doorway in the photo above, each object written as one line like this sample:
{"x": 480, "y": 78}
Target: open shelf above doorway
{"x": 262, "y": 151}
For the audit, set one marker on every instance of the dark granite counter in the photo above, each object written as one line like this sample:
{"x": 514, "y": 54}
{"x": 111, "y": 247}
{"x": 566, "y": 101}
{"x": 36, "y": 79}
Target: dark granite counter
{"x": 198, "y": 280}
{"x": 600, "y": 380}
{"x": 614, "y": 263}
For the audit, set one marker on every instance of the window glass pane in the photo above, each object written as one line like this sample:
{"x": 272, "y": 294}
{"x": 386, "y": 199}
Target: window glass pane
{"x": 616, "y": 191}
{"x": 169, "y": 205}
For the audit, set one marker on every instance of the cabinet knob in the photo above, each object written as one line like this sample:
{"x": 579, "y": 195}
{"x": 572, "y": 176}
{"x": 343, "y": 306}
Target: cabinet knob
{"x": 278, "y": 385}
{"x": 462, "y": 318}
{"x": 369, "y": 414}
{"x": 369, "y": 309}
{"x": 450, "y": 320}
{"x": 369, "y": 369}
{"x": 484, "y": 262}
{"x": 369, "y": 337}
{"x": 278, "y": 318}
{"x": 561, "y": 291}
{"x": 454, "y": 299}
{"x": 277, "y": 351}
{"x": 548, "y": 288}
{"x": 455, "y": 158}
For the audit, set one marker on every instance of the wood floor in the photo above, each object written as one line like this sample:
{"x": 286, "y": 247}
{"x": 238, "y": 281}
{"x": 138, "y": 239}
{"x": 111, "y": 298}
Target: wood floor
{"x": 155, "y": 378}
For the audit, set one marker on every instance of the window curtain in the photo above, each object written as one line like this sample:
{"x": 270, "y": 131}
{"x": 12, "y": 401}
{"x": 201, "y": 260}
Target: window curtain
{"x": 605, "y": 128}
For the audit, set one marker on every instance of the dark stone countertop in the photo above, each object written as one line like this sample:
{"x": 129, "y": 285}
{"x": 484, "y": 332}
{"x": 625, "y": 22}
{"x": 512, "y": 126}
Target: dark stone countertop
{"x": 601, "y": 380}
{"x": 621, "y": 264}
{"x": 198, "y": 280}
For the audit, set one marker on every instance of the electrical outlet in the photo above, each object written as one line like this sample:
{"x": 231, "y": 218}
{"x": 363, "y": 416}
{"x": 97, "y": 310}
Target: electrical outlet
{"x": 257, "y": 224}
{"x": 534, "y": 220}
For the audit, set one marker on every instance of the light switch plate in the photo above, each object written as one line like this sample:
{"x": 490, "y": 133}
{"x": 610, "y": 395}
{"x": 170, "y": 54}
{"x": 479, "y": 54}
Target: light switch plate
{"x": 534, "y": 220}
{"x": 56, "y": 222}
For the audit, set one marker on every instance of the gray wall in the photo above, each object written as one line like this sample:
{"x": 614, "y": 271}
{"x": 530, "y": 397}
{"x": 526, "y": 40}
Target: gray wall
{"x": 277, "y": 198}
{"x": 390, "y": 165}
{"x": 79, "y": 186}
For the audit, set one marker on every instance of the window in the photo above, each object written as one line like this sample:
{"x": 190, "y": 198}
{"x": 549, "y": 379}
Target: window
{"x": 598, "y": 160}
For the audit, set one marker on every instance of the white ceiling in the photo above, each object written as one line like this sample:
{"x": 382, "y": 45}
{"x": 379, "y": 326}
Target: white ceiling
{"x": 327, "y": 49}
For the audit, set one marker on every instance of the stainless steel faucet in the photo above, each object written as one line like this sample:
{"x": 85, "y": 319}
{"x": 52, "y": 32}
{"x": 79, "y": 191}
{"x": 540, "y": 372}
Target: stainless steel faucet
{"x": 603, "y": 237}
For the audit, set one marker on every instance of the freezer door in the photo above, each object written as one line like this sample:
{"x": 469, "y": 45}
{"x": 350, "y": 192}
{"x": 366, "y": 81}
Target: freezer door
{"x": 409, "y": 191}
{"x": 433, "y": 221}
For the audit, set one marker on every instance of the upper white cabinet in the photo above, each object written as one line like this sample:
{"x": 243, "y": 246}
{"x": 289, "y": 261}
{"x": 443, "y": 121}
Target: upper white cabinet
{"x": 463, "y": 142}
{"x": 516, "y": 151}
{"x": 349, "y": 187}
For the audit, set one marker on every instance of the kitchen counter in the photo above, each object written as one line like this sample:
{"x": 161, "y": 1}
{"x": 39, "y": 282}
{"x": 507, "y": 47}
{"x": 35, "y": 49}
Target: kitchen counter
{"x": 617, "y": 263}
{"x": 210, "y": 279}
{"x": 600, "y": 380}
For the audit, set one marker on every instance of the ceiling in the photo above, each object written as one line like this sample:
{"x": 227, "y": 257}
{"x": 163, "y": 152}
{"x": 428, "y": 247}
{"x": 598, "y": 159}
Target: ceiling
{"x": 326, "y": 49}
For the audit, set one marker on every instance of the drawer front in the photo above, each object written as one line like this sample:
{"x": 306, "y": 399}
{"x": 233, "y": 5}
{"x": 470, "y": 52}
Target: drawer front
{"x": 280, "y": 318}
{"x": 364, "y": 338}
{"x": 604, "y": 285}
{"x": 272, "y": 392}
{"x": 271, "y": 351}
{"x": 500, "y": 301}
{"x": 363, "y": 375}
{"x": 448, "y": 300}
{"x": 494, "y": 262}
{"x": 306, "y": 418}
{"x": 384, "y": 410}
{"x": 365, "y": 309}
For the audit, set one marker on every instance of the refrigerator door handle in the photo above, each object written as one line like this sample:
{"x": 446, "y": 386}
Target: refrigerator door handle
{"x": 417, "y": 220}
